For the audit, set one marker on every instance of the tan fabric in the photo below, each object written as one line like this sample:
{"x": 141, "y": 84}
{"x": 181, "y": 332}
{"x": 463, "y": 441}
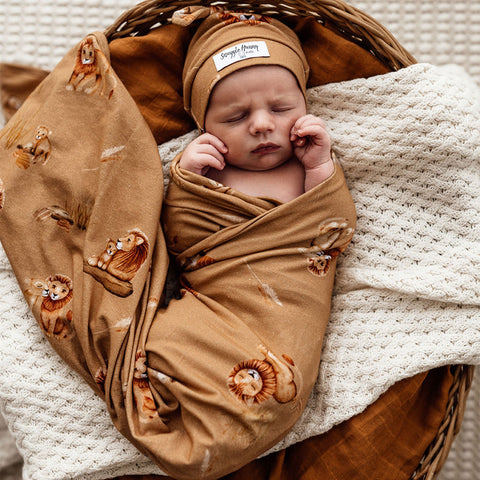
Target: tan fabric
{"x": 151, "y": 67}
{"x": 225, "y": 34}
{"x": 208, "y": 384}
{"x": 16, "y": 83}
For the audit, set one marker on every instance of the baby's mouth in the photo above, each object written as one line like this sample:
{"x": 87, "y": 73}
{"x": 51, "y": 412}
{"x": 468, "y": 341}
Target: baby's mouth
{"x": 265, "y": 148}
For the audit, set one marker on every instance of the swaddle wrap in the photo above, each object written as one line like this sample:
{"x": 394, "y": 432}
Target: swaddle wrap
{"x": 222, "y": 374}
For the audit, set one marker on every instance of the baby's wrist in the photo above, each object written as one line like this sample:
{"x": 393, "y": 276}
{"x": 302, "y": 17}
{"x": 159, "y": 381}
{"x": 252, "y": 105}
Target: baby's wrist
{"x": 318, "y": 174}
{"x": 321, "y": 160}
{"x": 187, "y": 164}
{"x": 320, "y": 167}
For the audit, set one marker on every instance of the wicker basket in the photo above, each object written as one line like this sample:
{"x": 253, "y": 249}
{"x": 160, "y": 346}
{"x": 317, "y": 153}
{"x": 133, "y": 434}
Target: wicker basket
{"x": 363, "y": 30}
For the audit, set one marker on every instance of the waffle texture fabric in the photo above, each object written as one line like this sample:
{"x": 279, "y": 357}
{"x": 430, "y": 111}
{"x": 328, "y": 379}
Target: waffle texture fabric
{"x": 407, "y": 297}
{"x": 436, "y": 31}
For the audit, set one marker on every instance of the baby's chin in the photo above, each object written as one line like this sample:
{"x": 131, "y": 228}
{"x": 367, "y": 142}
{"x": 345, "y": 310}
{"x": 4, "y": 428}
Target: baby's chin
{"x": 263, "y": 164}
{"x": 264, "y": 167}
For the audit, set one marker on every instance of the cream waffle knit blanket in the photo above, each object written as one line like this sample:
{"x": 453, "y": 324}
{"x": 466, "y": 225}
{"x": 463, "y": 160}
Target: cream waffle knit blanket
{"x": 407, "y": 294}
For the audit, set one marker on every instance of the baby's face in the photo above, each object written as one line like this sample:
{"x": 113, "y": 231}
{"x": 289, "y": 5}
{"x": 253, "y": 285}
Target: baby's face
{"x": 253, "y": 111}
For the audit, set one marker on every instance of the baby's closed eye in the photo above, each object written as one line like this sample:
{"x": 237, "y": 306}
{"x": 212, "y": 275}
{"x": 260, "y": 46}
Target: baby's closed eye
{"x": 236, "y": 117}
{"x": 282, "y": 108}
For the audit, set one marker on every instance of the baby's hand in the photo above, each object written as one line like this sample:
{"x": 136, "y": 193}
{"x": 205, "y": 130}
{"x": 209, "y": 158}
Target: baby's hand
{"x": 311, "y": 141}
{"x": 203, "y": 153}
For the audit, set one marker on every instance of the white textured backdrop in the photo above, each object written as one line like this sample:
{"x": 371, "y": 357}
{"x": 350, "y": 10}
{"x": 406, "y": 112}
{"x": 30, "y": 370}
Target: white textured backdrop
{"x": 38, "y": 32}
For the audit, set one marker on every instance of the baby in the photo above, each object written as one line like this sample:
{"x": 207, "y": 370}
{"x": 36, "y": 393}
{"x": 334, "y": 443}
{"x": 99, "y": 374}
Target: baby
{"x": 245, "y": 88}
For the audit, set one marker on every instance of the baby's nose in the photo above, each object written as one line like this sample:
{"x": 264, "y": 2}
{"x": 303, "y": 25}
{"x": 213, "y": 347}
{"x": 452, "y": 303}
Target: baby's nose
{"x": 262, "y": 122}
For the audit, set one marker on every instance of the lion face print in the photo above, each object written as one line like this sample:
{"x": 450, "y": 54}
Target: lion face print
{"x": 36, "y": 152}
{"x": 87, "y": 53}
{"x": 250, "y": 380}
{"x": 58, "y": 287}
{"x": 255, "y": 381}
{"x": 55, "y": 311}
{"x": 319, "y": 264}
{"x": 128, "y": 242}
{"x": 91, "y": 72}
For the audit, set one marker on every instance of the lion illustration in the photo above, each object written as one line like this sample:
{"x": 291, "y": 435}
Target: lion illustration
{"x": 319, "y": 264}
{"x": 254, "y": 381}
{"x": 132, "y": 251}
{"x": 146, "y": 407}
{"x": 34, "y": 290}
{"x": 55, "y": 314}
{"x": 92, "y": 70}
{"x": 119, "y": 262}
{"x": 59, "y": 214}
{"x": 249, "y": 19}
{"x": 103, "y": 260}
{"x": 333, "y": 237}
{"x": 334, "y": 231}
{"x": 36, "y": 152}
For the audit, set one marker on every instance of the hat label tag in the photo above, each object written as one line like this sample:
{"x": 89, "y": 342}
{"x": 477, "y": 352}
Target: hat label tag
{"x": 239, "y": 52}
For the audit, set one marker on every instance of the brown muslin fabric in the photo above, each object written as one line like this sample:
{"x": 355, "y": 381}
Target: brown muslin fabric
{"x": 206, "y": 385}
{"x": 238, "y": 41}
{"x": 16, "y": 83}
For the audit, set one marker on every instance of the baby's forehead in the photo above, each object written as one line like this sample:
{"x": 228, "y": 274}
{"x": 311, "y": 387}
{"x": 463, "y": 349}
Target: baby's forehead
{"x": 269, "y": 81}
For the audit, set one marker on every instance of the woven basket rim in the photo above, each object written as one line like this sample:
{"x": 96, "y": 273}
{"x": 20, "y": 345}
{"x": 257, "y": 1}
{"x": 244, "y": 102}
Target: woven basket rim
{"x": 346, "y": 20}
{"x": 437, "y": 452}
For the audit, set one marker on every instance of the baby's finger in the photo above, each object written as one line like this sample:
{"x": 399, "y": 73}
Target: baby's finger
{"x": 316, "y": 132}
{"x": 299, "y": 142}
{"x": 212, "y": 151}
{"x": 206, "y": 160}
{"x": 208, "y": 138}
{"x": 300, "y": 124}
{"x": 305, "y": 121}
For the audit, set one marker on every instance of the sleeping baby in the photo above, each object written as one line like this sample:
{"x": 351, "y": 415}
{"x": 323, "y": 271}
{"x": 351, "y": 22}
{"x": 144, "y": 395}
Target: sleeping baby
{"x": 250, "y": 100}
